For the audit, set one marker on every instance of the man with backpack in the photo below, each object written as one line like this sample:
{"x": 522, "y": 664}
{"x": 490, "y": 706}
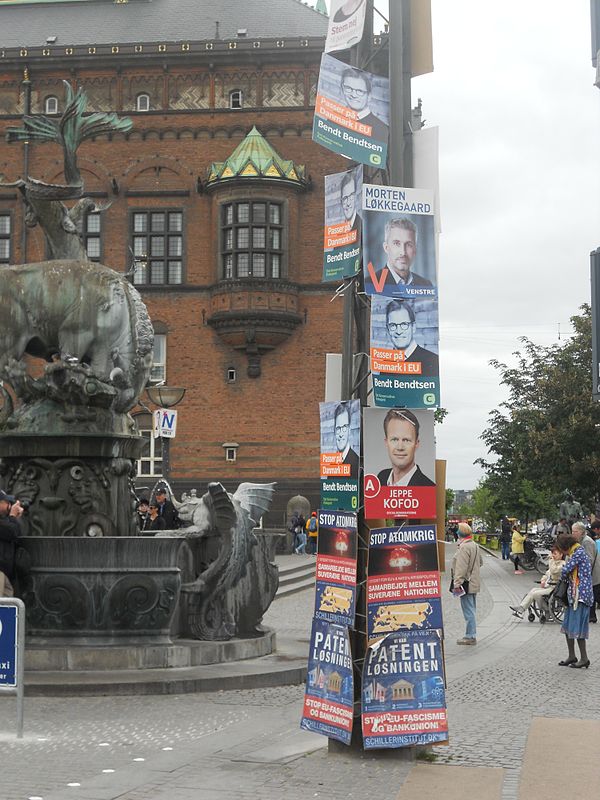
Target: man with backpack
{"x": 312, "y": 529}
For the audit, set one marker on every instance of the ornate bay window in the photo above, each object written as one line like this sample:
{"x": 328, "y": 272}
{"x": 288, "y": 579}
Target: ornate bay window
{"x": 252, "y": 239}
{"x": 5, "y": 232}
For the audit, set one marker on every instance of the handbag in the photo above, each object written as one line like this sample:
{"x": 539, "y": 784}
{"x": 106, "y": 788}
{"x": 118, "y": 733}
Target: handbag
{"x": 561, "y": 593}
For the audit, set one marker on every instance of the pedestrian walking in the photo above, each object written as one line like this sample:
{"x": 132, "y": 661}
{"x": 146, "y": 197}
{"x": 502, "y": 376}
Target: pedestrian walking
{"x": 517, "y": 547}
{"x": 505, "y": 538}
{"x": 576, "y": 622}
{"x": 10, "y": 530}
{"x": 547, "y": 585}
{"x": 579, "y": 531}
{"x": 312, "y": 530}
{"x": 466, "y": 580}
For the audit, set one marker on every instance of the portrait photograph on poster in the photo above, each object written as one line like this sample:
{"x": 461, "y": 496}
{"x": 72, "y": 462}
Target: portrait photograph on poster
{"x": 404, "y": 352}
{"x": 335, "y": 577}
{"x": 346, "y": 24}
{"x": 399, "y": 478}
{"x": 403, "y": 581}
{"x": 340, "y": 454}
{"x": 329, "y": 691}
{"x": 398, "y": 245}
{"x": 403, "y": 695}
{"x": 352, "y": 112}
{"x": 343, "y": 225}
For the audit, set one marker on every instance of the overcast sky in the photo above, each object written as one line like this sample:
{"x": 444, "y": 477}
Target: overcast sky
{"x": 519, "y": 129}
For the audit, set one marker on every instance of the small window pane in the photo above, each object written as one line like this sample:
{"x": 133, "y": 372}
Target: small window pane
{"x": 175, "y": 222}
{"x": 139, "y": 246}
{"x": 258, "y": 265}
{"x": 259, "y": 238}
{"x": 157, "y": 272}
{"x": 4, "y": 249}
{"x": 175, "y": 272}
{"x": 140, "y": 223}
{"x": 259, "y": 212}
{"x": 228, "y": 242}
{"x": 139, "y": 274}
{"x": 144, "y": 467}
{"x": 5, "y": 225}
{"x": 93, "y": 223}
{"x": 158, "y": 223}
{"x": 228, "y": 211}
{"x": 228, "y": 265}
{"x": 275, "y": 239}
{"x": 243, "y": 238}
{"x": 243, "y": 212}
{"x": 157, "y": 246}
{"x": 274, "y": 214}
{"x": 92, "y": 247}
{"x": 175, "y": 246}
{"x": 158, "y": 465}
{"x": 275, "y": 266}
{"x": 243, "y": 265}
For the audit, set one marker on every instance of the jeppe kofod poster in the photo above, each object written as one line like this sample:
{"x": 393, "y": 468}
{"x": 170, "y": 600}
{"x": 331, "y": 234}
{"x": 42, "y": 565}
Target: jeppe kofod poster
{"x": 329, "y": 692}
{"x": 398, "y": 242}
{"x": 403, "y": 581}
{"x": 352, "y": 112}
{"x": 403, "y": 697}
{"x": 340, "y": 455}
{"x": 399, "y": 478}
{"x": 343, "y": 225}
{"x": 335, "y": 587}
{"x": 404, "y": 352}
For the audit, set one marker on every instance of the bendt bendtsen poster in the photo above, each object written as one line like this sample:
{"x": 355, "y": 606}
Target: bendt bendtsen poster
{"x": 343, "y": 225}
{"x": 403, "y": 581}
{"x": 352, "y": 112}
{"x": 329, "y": 692}
{"x": 335, "y": 586}
{"x": 404, "y": 352}
{"x": 346, "y": 24}
{"x": 403, "y": 697}
{"x": 399, "y": 463}
{"x": 340, "y": 455}
{"x": 399, "y": 255}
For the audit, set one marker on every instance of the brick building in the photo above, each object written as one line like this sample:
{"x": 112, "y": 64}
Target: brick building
{"x": 216, "y": 207}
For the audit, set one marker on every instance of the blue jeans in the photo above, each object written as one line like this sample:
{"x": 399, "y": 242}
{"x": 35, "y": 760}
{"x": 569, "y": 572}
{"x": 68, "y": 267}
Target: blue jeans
{"x": 505, "y": 550}
{"x": 468, "y": 604}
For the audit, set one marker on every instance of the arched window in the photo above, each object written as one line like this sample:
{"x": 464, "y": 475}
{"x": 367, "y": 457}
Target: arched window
{"x": 142, "y": 102}
{"x": 51, "y": 105}
{"x": 236, "y": 98}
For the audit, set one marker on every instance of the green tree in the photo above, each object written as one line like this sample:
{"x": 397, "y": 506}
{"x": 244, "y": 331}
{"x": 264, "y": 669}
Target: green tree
{"x": 541, "y": 441}
{"x": 485, "y": 506}
{"x": 449, "y": 499}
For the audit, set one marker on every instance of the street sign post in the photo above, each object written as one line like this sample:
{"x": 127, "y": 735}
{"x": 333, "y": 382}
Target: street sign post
{"x": 12, "y": 652}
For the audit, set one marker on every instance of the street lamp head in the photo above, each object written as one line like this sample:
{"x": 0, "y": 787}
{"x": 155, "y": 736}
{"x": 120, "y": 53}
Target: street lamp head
{"x": 165, "y": 396}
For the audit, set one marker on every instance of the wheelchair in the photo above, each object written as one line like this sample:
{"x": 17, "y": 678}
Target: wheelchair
{"x": 546, "y": 609}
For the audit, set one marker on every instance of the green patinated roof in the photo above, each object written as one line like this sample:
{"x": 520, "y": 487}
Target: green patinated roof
{"x": 321, "y": 7}
{"x": 255, "y": 158}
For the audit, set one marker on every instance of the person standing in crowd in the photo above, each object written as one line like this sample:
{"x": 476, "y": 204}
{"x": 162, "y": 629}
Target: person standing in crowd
{"x": 517, "y": 547}
{"x": 167, "y": 510}
{"x": 505, "y": 538}
{"x": 312, "y": 529}
{"x": 579, "y": 532}
{"x": 576, "y": 622}
{"x": 547, "y": 584}
{"x": 466, "y": 580}
{"x": 143, "y": 513}
{"x": 10, "y": 530}
{"x": 157, "y": 523}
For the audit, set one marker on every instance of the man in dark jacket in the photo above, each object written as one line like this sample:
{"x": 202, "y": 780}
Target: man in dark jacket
{"x": 10, "y": 530}
{"x": 167, "y": 510}
{"x": 505, "y": 538}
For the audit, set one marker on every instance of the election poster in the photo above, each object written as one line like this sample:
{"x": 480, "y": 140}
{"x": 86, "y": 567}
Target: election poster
{"x": 335, "y": 584}
{"x": 329, "y": 693}
{"x": 399, "y": 478}
{"x": 403, "y": 581}
{"x": 403, "y": 696}
{"x": 346, "y": 24}
{"x": 343, "y": 225}
{"x": 352, "y": 112}
{"x": 340, "y": 455}
{"x": 398, "y": 242}
{"x": 404, "y": 352}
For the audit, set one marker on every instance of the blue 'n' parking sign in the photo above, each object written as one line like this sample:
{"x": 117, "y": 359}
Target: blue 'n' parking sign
{"x": 8, "y": 645}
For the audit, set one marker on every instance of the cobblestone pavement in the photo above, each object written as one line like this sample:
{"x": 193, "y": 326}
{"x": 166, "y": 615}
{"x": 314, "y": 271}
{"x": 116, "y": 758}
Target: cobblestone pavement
{"x": 247, "y": 744}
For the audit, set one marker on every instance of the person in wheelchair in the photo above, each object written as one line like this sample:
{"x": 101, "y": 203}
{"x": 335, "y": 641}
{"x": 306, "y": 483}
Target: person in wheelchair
{"x": 549, "y": 580}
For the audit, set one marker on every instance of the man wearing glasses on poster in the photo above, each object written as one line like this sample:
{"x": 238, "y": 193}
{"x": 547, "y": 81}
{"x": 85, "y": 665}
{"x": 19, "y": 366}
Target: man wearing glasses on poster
{"x": 400, "y": 323}
{"x": 356, "y": 91}
{"x": 348, "y": 202}
{"x": 342, "y": 419}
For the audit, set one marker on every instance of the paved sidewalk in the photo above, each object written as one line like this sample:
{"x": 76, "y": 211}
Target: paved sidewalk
{"x": 247, "y": 744}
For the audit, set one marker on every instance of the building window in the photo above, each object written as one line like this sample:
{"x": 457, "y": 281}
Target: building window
{"x": 150, "y": 462}
{"x": 158, "y": 373}
{"x": 157, "y": 245}
{"x": 142, "y": 102}
{"x": 231, "y": 375}
{"x": 92, "y": 232}
{"x": 236, "y": 99}
{"x": 252, "y": 240}
{"x": 231, "y": 449}
{"x": 51, "y": 105}
{"x": 5, "y": 231}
